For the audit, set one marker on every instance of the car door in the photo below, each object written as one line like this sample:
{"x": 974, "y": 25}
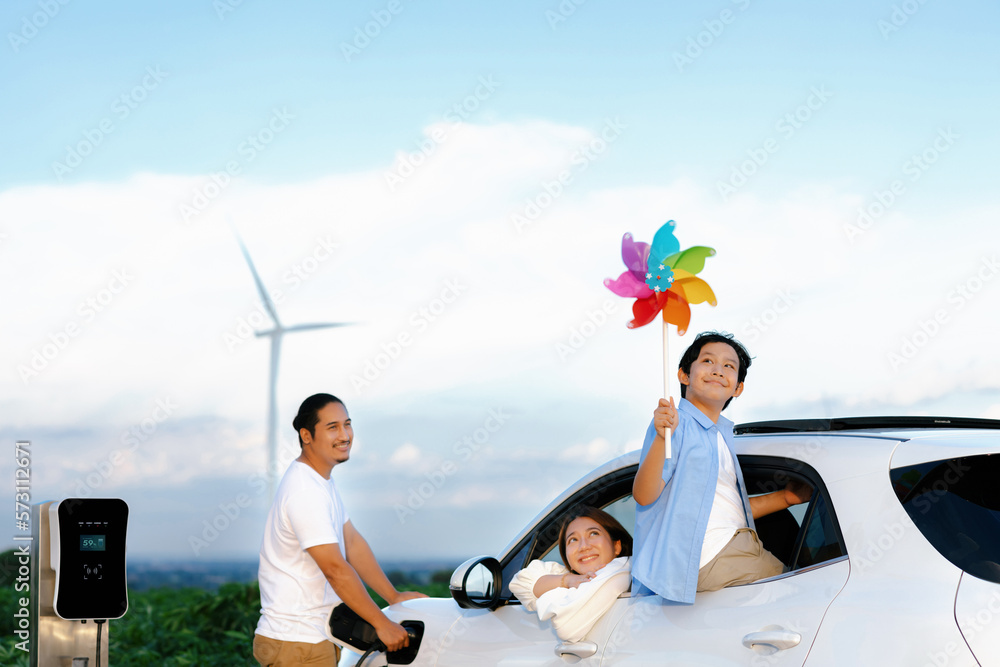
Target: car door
{"x": 510, "y": 634}
{"x": 507, "y": 636}
{"x": 769, "y": 622}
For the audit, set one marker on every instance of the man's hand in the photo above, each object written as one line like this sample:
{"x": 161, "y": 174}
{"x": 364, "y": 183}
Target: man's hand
{"x": 393, "y": 635}
{"x": 403, "y": 596}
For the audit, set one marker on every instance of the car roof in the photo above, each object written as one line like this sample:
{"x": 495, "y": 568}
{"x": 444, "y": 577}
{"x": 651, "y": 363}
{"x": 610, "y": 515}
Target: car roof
{"x": 945, "y": 444}
{"x": 920, "y": 439}
{"x": 868, "y": 424}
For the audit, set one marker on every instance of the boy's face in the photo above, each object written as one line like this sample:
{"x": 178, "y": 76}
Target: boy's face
{"x": 714, "y": 377}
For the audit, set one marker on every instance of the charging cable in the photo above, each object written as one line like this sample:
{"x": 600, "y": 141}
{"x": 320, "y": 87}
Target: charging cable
{"x": 376, "y": 647}
{"x": 100, "y": 624}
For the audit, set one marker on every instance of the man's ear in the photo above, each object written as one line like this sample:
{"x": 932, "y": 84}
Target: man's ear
{"x": 683, "y": 377}
{"x": 739, "y": 390}
{"x": 305, "y": 435}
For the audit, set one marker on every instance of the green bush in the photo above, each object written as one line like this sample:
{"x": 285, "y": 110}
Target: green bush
{"x": 187, "y": 626}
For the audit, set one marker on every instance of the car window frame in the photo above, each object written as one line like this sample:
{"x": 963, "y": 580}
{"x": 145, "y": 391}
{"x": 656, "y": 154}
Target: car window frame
{"x": 611, "y": 487}
{"x": 795, "y": 468}
{"x": 618, "y": 484}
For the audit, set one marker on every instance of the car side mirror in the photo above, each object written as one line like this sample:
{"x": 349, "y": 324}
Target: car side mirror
{"x": 476, "y": 583}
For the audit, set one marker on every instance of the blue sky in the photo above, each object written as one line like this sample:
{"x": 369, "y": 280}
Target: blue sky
{"x": 455, "y": 178}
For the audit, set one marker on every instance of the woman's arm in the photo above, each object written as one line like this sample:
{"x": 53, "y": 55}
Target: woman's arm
{"x": 522, "y": 584}
{"x": 552, "y": 581}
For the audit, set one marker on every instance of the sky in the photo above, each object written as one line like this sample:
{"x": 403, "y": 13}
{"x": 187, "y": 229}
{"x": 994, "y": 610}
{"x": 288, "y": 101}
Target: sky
{"x": 452, "y": 181}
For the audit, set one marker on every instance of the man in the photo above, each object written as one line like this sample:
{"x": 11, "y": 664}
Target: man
{"x": 309, "y": 542}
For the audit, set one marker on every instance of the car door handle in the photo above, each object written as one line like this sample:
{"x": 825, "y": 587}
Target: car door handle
{"x": 578, "y": 649}
{"x": 771, "y": 640}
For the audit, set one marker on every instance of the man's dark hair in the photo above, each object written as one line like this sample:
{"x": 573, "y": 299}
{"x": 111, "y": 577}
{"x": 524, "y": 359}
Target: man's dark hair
{"x": 703, "y": 339}
{"x": 308, "y": 415}
{"x": 615, "y": 530}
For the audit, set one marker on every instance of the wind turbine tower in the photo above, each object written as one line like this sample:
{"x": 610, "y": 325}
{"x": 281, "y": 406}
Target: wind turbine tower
{"x": 275, "y": 335}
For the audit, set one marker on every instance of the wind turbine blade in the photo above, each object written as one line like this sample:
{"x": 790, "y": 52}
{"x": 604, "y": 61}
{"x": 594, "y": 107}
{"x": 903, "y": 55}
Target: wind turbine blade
{"x": 264, "y": 296}
{"x": 307, "y": 327}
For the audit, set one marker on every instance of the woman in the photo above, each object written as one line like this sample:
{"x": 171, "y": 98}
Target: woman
{"x": 595, "y": 550}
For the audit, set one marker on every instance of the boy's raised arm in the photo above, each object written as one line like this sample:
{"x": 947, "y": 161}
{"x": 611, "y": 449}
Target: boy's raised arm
{"x": 648, "y": 483}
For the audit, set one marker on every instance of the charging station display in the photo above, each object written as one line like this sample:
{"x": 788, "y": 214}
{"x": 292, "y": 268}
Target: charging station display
{"x": 87, "y": 545}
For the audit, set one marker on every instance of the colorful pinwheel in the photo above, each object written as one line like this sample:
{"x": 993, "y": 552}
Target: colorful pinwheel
{"x": 662, "y": 277}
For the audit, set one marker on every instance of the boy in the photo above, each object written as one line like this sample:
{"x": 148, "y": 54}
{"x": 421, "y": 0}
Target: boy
{"x": 694, "y": 520}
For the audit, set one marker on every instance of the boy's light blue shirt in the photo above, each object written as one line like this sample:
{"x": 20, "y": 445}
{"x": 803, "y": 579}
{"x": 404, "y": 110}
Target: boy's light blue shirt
{"x": 669, "y": 532}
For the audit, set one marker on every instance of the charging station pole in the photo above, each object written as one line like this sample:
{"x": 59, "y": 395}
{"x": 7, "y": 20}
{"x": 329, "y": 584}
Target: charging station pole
{"x": 86, "y": 581}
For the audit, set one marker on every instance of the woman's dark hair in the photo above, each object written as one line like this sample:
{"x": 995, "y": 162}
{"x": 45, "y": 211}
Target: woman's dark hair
{"x": 308, "y": 415}
{"x": 615, "y": 530}
{"x": 703, "y": 339}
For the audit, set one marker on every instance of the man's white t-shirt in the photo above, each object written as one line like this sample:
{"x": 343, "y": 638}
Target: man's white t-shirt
{"x": 295, "y": 597}
{"x": 727, "y": 515}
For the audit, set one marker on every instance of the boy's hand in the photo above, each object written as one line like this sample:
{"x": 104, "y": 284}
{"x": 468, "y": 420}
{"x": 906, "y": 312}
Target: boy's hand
{"x": 665, "y": 416}
{"x": 797, "y": 493}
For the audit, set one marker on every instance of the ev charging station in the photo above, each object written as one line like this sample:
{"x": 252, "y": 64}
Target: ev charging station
{"x": 78, "y": 579}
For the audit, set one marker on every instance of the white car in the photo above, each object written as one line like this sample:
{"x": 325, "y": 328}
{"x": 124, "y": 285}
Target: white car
{"x": 894, "y": 561}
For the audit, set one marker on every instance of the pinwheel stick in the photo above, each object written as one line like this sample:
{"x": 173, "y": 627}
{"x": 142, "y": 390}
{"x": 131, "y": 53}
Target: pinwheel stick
{"x": 666, "y": 385}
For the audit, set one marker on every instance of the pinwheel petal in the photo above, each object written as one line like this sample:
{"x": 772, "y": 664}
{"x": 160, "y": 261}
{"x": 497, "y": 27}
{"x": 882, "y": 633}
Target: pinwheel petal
{"x": 691, "y": 260}
{"x": 644, "y": 311}
{"x": 664, "y": 245}
{"x": 634, "y": 254}
{"x": 628, "y": 285}
{"x": 677, "y": 311}
{"x": 664, "y": 241}
{"x": 693, "y": 290}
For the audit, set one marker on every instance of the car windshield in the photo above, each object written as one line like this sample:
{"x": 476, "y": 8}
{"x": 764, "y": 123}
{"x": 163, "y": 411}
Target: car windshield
{"x": 956, "y": 505}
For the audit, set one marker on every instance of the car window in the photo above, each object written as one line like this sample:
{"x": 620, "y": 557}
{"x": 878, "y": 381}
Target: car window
{"x": 622, "y": 509}
{"x": 613, "y": 493}
{"x": 802, "y": 535}
{"x": 956, "y": 505}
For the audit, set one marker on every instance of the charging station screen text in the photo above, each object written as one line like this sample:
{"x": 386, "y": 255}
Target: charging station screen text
{"x": 92, "y": 543}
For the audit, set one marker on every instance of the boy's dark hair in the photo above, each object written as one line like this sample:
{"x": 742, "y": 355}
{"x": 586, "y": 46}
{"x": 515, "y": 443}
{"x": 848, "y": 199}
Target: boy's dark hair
{"x": 308, "y": 415}
{"x": 615, "y": 530}
{"x": 703, "y": 339}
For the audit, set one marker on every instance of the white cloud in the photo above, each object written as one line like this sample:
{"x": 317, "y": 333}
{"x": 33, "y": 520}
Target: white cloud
{"x": 405, "y": 456}
{"x": 449, "y": 298}
{"x": 593, "y": 453}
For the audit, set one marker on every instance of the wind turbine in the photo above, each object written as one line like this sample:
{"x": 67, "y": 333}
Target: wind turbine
{"x": 275, "y": 335}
